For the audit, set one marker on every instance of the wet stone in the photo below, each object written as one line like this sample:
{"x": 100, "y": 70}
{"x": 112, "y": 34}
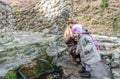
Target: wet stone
{"x": 2, "y": 61}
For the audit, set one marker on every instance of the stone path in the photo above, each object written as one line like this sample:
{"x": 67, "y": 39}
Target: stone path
{"x": 70, "y": 70}
{"x": 107, "y": 46}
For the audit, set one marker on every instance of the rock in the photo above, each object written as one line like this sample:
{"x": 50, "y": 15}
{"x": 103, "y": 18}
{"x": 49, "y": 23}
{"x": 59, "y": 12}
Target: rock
{"x": 5, "y": 10}
{"x": 2, "y": 61}
{"x": 25, "y": 47}
{"x": 116, "y": 73}
{"x": 47, "y": 10}
{"x": 115, "y": 59}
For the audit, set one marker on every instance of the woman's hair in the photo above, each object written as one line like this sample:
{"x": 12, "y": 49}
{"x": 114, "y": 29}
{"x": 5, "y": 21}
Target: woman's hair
{"x": 72, "y": 22}
{"x": 67, "y": 32}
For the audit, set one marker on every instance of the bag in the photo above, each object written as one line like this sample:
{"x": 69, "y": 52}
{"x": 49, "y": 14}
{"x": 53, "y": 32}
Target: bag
{"x": 94, "y": 40}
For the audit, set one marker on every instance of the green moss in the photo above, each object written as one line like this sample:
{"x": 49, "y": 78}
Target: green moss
{"x": 1, "y": 43}
{"x": 114, "y": 26}
{"x": 43, "y": 66}
{"x": 108, "y": 24}
{"x": 49, "y": 58}
{"x": 11, "y": 75}
{"x": 15, "y": 7}
{"x": 87, "y": 18}
{"x": 43, "y": 43}
{"x": 104, "y": 4}
{"x": 11, "y": 49}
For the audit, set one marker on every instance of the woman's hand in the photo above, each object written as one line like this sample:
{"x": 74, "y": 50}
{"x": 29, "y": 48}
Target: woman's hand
{"x": 74, "y": 35}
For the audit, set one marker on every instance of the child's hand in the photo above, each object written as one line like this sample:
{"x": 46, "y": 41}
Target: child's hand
{"x": 67, "y": 53}
{"x": 76, "y": 53}
{"x": 86, "y": 51}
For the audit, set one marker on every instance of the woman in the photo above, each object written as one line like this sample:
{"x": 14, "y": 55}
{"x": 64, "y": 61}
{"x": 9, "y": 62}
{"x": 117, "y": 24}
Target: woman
{"x": 71, "y": 43}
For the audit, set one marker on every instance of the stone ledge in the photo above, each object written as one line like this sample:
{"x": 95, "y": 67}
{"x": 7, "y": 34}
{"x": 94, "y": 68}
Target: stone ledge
{"x": 32, "y": 46}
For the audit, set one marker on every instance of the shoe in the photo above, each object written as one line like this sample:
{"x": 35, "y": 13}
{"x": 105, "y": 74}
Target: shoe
{"x": 78, "y": 61}
{"x": 86, "y": 74}
{"x": 82, "y": 70}
{"x": 74, "y": 60}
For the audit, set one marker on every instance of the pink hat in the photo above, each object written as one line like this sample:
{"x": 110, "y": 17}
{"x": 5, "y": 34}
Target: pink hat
{"x": 77, "y": 28}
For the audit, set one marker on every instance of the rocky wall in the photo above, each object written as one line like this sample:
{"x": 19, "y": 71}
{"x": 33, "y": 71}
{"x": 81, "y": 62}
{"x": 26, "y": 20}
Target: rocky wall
{"x": 50, "y": 15}
{"x": 24, "y": 47}
{"x": 5, "y": 12}
{"x": 18, "y": 48}
{"x": 110, "y": 51}
{"x": 116, "y": 64}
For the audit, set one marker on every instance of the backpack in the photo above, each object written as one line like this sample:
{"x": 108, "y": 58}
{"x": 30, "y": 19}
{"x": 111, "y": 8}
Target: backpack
{"x": 94, "y": 40}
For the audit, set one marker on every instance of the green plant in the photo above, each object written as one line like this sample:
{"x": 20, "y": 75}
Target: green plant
{"x": 114, "y": 26}
{"x": 11, "y": 75}
{"x": 15, "y": 8}
{"x": 49, "y": 58}
{"x": 104, "y": 4}
{"x": 43, "y": 66}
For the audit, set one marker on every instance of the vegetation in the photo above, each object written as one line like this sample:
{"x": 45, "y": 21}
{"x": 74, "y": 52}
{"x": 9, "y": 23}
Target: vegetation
{"x": 11, "y": 75}
{"x": 97, "y": 15}
{"x": 115, "y": 24}
{"x": 43, "y": 66}
{"x": 104, "y": 4}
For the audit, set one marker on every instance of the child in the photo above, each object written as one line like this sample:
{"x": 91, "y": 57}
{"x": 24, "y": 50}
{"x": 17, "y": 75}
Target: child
{"x": 89, "y": 53}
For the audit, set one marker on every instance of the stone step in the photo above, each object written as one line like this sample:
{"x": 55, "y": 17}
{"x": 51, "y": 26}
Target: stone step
{"x": 107, "y": 43}
{"x": 70, "y": 70}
